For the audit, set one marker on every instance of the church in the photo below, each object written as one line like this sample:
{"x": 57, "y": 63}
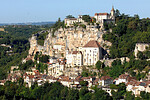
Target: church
{"x": 105, "y": 17}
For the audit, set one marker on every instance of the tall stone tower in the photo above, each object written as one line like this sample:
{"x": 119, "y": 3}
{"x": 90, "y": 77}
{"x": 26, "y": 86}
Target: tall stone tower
{"x": 112, "y": 15}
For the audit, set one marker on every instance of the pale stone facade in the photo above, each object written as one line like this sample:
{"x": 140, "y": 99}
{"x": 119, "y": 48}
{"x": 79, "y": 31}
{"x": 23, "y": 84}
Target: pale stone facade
{"x": 73, "y": 72}
{"x": 137, "y": 87}
{"x": 104, "y": 17}
{"x": 13, "y": 68}
{"x": 92, "y": 52}
{"x": 56, "y": 68}
{"x": 101, "y": 16}
{"x": 58, "y": 47}
{"x": 122, "y": 79}
{"x": 105, "y": 81}
{"x": 74, "y": 58}
{"x": 71, "y": 21}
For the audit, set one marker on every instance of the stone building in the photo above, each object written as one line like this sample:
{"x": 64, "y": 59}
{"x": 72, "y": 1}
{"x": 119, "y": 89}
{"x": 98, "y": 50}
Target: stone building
{"x": 106, "y": 80}
{"x": 56, "y": 68}
{"x": 92, "y": 52}
{"x": 74, "y": 58}
{"x": 71, "y": 21}
{"x": 105, "y": 17}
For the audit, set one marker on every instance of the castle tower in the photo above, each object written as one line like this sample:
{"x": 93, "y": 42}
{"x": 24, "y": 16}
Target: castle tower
{"x": 112, "y": 15}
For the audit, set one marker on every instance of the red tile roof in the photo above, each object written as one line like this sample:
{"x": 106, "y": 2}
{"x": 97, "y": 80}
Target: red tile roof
{"x": 31, "y": 76}
{"x": 75, "y": 52}
{"x": 124, "y": 76}
{"x": 37, "y": 72}
{"x": 71, "y": 18}
{"x": 28, "y": 58}
{"x": 97, "y": 14}
{"x": 51, "y": 77}
{"x": 105, "y": 78}
{"x": 92, "y": 43}
{"x": 131, "y": 78}
{"x": 132, "y": 82}
{"x": 64, "y": 78}
{"x": 79, "y": 78}
{"x": 85, "y": 78}
{"x": 96, "y": 80}
{"x": 112, "y": 9}
{"x": 2, "y": 81}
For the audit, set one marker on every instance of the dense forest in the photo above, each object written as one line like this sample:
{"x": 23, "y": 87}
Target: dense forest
{"x": 126, "y": 33}
{"x": 56, "y": 91}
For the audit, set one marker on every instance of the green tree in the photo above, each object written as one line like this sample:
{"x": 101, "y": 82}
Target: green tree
{"x": 83, "y": 91}
{"x": 116, "y": 95}
{"x": 73, "y": 94}
{"x": 86, "y": 18}
{"x": 140, "y": 55}
{"x": 26, "y": 65}
{"x": 144, "y": 95}
{"x": 10, "y": 89}
{"x": 117, "y": 13}
{"x": 84, "y": 74}
{"x": 64, "y": 93}
{"x": 129, "y": 96}
{"x": 83, "y": 83}
{"x": 41, "y": 67}
{"x": 101, "y": 95}
{"x": 94, "y": 20}
{"x": 44, "y": 58}
{"x": 70, "y": 16}
{"x": 99, "y": 65}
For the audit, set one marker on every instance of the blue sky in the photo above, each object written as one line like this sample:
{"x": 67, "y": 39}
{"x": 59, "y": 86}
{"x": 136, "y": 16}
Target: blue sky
{"x": 17, "y": 11}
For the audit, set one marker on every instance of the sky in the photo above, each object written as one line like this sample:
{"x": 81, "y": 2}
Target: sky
{"x": 21, "y": 11}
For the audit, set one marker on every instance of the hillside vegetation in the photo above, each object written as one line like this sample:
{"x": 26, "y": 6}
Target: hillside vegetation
{"x": 17, "y": 38}
{"x": 126, "y": 33}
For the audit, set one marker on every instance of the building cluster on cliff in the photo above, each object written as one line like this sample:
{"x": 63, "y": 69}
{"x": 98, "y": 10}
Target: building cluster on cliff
{"x": 72, "y": 48}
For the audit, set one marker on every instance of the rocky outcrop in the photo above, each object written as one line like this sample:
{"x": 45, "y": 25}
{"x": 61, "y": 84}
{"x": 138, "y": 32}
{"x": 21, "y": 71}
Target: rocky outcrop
{"x": 68, "y": 38}
{"x": 140, "y": 47}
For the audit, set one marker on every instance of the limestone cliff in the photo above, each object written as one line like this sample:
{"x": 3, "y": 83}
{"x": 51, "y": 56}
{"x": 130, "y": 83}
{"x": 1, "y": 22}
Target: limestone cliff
{"x": 68, "y": 38}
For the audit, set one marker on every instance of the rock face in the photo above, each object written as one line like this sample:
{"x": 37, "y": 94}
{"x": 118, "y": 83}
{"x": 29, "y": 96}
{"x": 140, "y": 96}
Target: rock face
{"x": 140, "y": 47}
{"x": 69, "y": 38}
{"x": 34, "y": 47}
{"x": 75, "y": 38}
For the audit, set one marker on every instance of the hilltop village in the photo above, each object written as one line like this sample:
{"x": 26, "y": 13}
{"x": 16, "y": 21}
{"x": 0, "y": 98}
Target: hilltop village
{"x": 68, "y": 53}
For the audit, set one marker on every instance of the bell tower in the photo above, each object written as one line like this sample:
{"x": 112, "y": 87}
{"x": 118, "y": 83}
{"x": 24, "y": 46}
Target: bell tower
{"x": 112, "y": 13}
